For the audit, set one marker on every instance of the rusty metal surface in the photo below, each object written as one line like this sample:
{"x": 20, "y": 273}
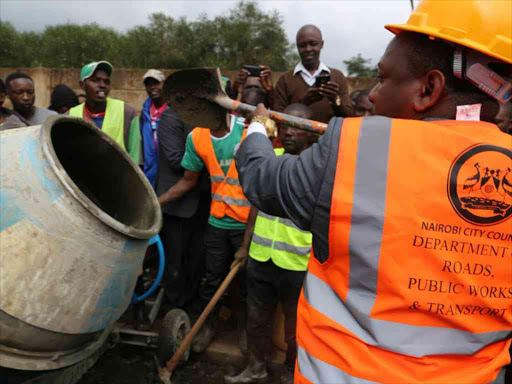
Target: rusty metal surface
{"x": 65, "y": 265}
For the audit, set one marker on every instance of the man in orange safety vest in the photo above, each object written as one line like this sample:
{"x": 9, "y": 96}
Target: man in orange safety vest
{"x": 410, "y": 278}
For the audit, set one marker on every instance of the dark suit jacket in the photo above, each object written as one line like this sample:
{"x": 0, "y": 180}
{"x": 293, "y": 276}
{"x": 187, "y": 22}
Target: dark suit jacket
{"x": 172, "y": 137}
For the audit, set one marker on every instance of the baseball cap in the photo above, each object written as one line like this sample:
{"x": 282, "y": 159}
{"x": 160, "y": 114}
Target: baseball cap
{"x": 154, "y": 74}
{"x": 88, "y": 69}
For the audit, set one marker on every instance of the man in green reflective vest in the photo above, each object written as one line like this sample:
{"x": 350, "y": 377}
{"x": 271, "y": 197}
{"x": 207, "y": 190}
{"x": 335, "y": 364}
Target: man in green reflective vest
{"x": 278, "y": 257}
{"x": 114, "y": 117}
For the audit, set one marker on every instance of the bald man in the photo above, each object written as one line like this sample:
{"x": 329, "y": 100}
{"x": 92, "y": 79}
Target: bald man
{"x": 299, "y": 85}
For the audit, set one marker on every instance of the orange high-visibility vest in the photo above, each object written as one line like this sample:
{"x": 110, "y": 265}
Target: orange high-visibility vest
{"x": 228, "y": 198}
{"x": 417, "y": 287}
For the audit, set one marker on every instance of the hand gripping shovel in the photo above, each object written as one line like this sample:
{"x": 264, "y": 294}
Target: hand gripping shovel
{"x": 166, "y": 372}
{"x": 196, "y": 96}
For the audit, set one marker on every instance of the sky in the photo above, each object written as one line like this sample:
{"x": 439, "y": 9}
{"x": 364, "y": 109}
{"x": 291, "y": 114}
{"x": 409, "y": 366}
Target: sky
{"x": 349, "y": 27}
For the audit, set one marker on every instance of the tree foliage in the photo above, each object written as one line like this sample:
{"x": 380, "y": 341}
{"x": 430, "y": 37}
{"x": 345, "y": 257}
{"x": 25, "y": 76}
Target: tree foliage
{"x": 244, "y": 35}
{"x": 360, "y": 67}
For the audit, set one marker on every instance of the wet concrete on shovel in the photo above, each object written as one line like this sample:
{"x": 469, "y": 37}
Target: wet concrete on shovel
{"x": 188, "y": 91}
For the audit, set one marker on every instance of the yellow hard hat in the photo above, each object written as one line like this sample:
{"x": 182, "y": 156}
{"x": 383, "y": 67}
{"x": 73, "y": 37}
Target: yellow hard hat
{"x": 482, "y": 25}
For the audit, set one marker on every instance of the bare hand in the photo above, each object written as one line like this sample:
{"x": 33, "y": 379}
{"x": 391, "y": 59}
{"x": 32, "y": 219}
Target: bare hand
{"x": 240, "y": 257}
{"x": 312, "y": 96}
{"x": 240, "y": 79}
{"x": 266, "y": 78}
{"x": 330, "y": 91}
{"x": 162, "y": 199}
{"x": 259, "y": 111}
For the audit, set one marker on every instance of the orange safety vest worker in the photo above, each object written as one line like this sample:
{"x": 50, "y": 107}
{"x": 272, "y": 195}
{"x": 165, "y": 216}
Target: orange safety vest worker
{"x": 410, "y": 276}
{"x": 412, "y": 284}
{"x": 228, "y": 198}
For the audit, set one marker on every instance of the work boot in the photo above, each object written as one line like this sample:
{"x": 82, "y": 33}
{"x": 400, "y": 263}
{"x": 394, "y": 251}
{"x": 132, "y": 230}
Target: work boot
{"x": 286, "y": 376}
{"x": 255, "y": 372}
{"x": 203, "y": 338}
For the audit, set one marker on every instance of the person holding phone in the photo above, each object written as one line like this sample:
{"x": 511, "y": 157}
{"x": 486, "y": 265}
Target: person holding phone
{"x": 311, "y": 82}
{"x": 252, "y": 76}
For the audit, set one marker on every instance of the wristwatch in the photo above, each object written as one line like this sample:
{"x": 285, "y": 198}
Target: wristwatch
{"x": 268, "y": 123}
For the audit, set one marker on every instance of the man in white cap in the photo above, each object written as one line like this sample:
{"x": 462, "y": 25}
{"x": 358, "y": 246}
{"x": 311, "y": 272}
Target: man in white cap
{"x": 152, "y": 110}
{"x": 114, "y": 117}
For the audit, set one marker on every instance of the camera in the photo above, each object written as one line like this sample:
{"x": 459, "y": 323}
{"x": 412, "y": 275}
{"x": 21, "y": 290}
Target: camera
{"x": 322, "y": 79}
{"x": 254, "y": 70}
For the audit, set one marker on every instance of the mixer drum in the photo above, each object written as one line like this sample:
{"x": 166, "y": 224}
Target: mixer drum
{"x": 76, "y": 214}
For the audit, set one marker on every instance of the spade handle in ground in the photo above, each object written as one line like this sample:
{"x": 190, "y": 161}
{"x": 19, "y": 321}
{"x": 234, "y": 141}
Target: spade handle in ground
{"x": 171, "y": 364}
{"x": 293, "y": 121}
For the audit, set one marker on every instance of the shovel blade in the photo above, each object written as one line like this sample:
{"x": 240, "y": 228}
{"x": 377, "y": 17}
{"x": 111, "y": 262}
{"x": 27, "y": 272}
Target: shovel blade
{"x": 190, "y": 94}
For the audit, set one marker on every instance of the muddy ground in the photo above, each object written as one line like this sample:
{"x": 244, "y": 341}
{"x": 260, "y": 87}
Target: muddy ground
{"x": 126, "y": 364}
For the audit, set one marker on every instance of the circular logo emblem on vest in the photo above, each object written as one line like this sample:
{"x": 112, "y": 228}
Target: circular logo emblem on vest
{"x": 480, "y": 184}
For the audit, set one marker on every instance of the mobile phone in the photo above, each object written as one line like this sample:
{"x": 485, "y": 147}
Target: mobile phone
{"x": 322, "y": 79}
{"x": 254, "y": 70}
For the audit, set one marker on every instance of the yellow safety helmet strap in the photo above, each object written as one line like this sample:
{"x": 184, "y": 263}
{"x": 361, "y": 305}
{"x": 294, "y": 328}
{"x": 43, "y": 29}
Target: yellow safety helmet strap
{"x": 473, "y": 66}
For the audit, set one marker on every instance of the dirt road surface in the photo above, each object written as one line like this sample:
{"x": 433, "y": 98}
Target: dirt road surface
{"x": 125, "y": 364}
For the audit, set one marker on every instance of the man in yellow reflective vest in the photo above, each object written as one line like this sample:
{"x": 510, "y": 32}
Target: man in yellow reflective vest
{"x": 278, "y": 257}
{"x": 114, "y": 117}
{"x": 409, "y": 279}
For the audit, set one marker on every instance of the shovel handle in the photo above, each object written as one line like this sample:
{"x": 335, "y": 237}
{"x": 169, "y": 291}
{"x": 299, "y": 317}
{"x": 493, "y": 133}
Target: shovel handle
{"x": 293, "y": 121}
{"x": 171, "y": 364}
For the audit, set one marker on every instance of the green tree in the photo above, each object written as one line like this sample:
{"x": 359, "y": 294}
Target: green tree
{"x": 9, "y": 45}
{"x": 248, "y": 35}
{"x": 72, "y": 45}
{"x": 28, "y": 44}
{"x": 244, "y": 35}
{"x": 360, "y": 67}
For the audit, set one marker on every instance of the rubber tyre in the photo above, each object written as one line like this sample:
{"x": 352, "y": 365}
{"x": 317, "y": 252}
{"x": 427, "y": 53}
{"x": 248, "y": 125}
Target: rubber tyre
{"x": 175, "y": 326}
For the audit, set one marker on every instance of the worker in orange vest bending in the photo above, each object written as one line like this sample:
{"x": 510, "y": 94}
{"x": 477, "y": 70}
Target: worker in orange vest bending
{"x": 410, "y": 278}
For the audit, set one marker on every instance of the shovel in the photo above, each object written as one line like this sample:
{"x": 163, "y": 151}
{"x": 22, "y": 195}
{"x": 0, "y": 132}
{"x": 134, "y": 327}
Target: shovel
{"x": 198, "y": 99}
{"x": 165, "y": 373}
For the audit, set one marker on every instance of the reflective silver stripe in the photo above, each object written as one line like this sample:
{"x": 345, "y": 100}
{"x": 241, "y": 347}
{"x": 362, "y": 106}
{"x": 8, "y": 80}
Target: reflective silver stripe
{"x": 266, "y": 216}
{"x": 217, "y": 179}
{"x": 282, "y": 220}
{"x": 281, "y": 246}
{"x": 232, "y": 181}
{"x": 369, "y": 203}
{"x": 231, "y": 200}
{"x": 402, "y": 338}
{"x": 229, "y": 180}
{"x": 261, "y": 240}
{"x": 291, "y": 224}
{"x": 365, "y": 239}
{"x": 235, "y": 201}
{"x": 319, "y": 372}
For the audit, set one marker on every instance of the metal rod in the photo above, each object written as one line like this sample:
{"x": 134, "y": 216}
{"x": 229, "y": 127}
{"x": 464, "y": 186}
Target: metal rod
{"x": 304, "y": 124}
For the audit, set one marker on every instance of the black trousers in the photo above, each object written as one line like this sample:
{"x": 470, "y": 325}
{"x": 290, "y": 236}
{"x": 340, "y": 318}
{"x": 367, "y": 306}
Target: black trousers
{"x": 267, "y": 284}
{"x": 184, "y": 256}
{"x": 221, "y": 245}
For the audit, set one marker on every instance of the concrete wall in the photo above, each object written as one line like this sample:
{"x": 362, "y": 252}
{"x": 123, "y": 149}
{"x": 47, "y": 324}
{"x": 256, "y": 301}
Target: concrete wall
{"x": 126, "y": 83}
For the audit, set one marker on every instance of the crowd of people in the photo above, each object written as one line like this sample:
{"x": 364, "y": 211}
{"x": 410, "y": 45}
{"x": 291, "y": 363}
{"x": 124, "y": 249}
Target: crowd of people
{"x": 267, "y": 216}
{"x": 208, "y": 223}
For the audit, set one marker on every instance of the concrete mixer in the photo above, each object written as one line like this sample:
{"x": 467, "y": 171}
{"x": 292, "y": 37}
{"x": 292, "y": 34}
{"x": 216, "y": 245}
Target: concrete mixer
{"x": 76, "y": 214}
